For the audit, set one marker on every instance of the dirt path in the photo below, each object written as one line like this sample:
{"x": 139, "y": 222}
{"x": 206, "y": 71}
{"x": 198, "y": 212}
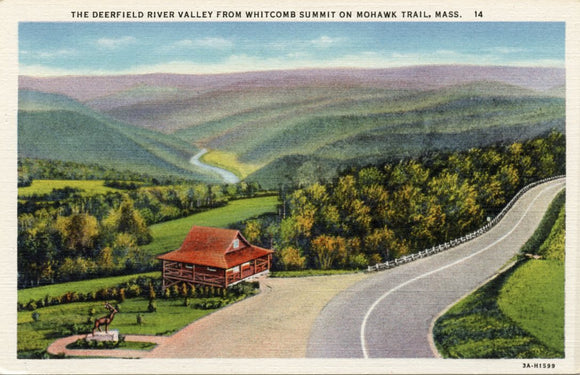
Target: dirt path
{"x": 274, "y": 324}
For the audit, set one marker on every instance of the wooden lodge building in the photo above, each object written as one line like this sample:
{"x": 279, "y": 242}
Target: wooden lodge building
{"x": 215, "y": 257}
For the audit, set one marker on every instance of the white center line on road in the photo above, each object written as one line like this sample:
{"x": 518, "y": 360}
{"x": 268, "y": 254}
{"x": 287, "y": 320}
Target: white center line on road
{"x": 385, "y": 295}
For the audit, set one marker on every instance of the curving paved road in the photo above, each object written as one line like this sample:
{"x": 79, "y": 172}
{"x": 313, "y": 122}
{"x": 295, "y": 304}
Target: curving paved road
{"x": 389, "y": 314}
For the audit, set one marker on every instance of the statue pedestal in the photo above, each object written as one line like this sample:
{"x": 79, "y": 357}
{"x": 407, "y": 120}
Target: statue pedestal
{"x": 112, "y": 335}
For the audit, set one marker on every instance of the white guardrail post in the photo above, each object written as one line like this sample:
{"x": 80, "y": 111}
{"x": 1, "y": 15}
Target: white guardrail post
{"x": 463, "y": 239}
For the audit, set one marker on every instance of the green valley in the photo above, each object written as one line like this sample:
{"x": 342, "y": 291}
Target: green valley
{"x": 56, "y": 128}
{"x": 261, "y": 125}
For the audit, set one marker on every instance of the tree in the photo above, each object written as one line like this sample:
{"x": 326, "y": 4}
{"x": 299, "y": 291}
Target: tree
{"x": 371, "y": 176}
{"x": 330, "y": 251}
{"x": 459, "y": 202}
{"x": 377, "y": 199}
{"x": 76, "y": 268}
{"x": 408, "y": 173}
{"x": 126, "y": 219}
{"x": 201, "y": 193}
{"x": 509, "y": 178}
{"x": 38, "y": 251}
{"x": 428, "y": 224}
{"x": 345, "y": 193}
{"x": 380, "y": 242}
{"x": 405, "y": 203}
{"x": 216, "y": 195}
{"x": 292, "y": 259}
{"x": 253, "y": 231}
{"x": 105, "y": 261}
{"x": 79, "y": 232}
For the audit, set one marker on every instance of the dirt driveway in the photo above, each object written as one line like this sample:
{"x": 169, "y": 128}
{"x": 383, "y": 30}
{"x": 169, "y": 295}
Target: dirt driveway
{"x": 274, "y": 324}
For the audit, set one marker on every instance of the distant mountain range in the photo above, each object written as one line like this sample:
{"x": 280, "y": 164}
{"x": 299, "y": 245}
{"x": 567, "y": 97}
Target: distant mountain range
{"x": 281, "y": 126}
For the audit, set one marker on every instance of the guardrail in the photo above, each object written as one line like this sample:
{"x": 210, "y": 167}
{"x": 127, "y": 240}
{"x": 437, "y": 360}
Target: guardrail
{"x": 458, "y": 241}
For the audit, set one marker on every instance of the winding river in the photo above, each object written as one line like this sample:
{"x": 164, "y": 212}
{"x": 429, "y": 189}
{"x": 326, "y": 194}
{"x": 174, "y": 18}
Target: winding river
{"x": 227, "y": 176}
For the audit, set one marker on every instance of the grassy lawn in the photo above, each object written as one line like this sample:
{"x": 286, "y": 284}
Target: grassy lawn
{"x": 477, "y": 328}
{"x": 89, "y": 187}
{"x": 84, "y": 286}
{"x": 170, "y": 235}
{"x": 170, "y": 316}
{"x": 533, "y": 297}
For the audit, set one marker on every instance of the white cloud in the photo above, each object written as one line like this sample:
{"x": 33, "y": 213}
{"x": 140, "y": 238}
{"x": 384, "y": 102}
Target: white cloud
{"x": 446, "y": 52}
{"x": 325, "y": 41}
{"x": 505, "y": 50}
{"x": 48, "y": 55}
{"x": 114, "y": 43}
{"x": 297, "y": 55}
{"x": 244, "y": 63}
{"x": 211, "y": 43}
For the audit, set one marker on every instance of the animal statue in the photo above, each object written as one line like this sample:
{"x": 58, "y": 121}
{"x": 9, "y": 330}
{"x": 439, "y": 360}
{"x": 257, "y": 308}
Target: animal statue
{"x": 105, "y": 320}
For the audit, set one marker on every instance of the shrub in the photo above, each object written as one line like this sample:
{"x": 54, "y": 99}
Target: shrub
{"x": 35, "y": 316}
{"x": 152, "y": 306}
{"x": 193, "y": 291}
{"x": 121, "y": 295}
{"x": 358, "y": 261}
{"x": 134, "y": 290}
{"x": 183, "y": 290}
{"x": 139, "y": 319}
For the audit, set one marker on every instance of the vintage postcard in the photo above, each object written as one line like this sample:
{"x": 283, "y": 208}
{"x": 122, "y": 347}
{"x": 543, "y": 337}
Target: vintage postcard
{"x": 299, "y": 187}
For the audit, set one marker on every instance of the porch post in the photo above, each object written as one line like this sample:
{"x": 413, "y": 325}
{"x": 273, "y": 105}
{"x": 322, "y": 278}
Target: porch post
{"x": 163, "y": 276}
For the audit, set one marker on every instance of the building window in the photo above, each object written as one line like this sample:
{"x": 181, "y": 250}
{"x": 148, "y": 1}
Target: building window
{"x": 236, "y": 243}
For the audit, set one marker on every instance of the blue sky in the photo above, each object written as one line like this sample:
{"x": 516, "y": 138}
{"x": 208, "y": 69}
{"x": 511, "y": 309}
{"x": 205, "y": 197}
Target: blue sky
{"x": 219, "y": 47}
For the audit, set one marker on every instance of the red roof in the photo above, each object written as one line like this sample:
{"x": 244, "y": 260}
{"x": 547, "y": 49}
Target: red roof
{"x": 213, "y": 247}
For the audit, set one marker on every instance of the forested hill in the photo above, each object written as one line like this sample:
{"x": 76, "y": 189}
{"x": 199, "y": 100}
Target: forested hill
{"x": 378, "y": 213}
{"x": 317, "y": 122}
{"x": 55, "y": 127}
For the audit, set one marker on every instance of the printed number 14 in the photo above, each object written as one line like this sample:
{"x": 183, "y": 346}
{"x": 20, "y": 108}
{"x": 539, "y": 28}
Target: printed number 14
{"x": 478, "y": 14}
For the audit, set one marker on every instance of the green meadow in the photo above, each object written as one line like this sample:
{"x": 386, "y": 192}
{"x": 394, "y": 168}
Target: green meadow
{"x": 88, "y": 187}
{"x": 170, "y": 235}
{"x": 533, "y": 297}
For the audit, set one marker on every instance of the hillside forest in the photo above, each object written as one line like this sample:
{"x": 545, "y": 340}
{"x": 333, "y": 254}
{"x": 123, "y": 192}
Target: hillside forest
{"x": 362, "y": 216}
